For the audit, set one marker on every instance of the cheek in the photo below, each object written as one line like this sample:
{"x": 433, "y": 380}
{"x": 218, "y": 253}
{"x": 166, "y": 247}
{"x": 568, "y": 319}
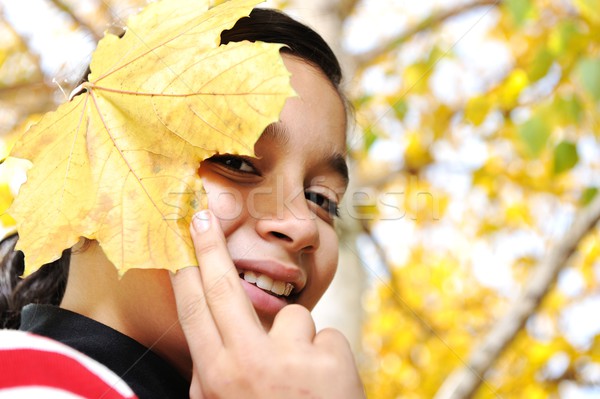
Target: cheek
{"x": 330, "y": 245}
{"x": 324, "y": 267}
{"x": 224, "y": 201}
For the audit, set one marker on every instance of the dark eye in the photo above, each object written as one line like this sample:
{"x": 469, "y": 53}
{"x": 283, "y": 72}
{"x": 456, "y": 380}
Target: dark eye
{"x": 235, "y": 163}
{"x": 330, "y": 206}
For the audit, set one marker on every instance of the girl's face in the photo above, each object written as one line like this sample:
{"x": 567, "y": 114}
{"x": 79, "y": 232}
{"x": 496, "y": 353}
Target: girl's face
{"x": 277, "y": 209}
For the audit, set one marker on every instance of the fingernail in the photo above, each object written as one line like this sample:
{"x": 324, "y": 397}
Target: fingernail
{"x": 201, "y": 221}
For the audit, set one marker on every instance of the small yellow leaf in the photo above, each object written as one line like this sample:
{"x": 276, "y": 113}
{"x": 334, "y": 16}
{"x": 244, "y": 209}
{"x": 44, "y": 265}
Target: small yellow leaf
{"x": 590, "y": 9}
{"x": 119, "y": 162}
{"x": 477, "y": 109}
{"x": 417, "y": 153}
{"x": 517, "y": 213}
{"x": 6, "y": 198}
{"x": 12, "y": 172}
{"x": 416, "y": 78}
{"x": 512, "y": 87}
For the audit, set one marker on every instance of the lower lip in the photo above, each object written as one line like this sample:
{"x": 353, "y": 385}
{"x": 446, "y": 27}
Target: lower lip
{"x": 264, "y": 303}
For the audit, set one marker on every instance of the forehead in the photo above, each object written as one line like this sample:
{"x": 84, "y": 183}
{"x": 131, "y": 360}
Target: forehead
{"x": 314, "y": 122}
{"x": 328, "y": 156}
{"x": 318, "y": 108}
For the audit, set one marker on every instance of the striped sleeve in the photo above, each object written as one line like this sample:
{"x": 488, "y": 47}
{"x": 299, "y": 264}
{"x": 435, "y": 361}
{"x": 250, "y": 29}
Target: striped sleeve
{"x": 32, "y": 366}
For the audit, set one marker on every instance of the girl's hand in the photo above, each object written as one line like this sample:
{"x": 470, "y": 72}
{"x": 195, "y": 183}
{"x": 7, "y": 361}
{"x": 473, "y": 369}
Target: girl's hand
{"x": 234, "y": 357}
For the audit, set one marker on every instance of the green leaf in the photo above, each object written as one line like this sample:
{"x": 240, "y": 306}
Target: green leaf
{"x": 362, "y": 101}
{"x": 400, "y": 108}
{"x": 540, "y": 65}
{"x": 565, "y": 156}
{"x": 519, "y": 10}
{"x": 534, "y": 134}
{"x": 568, "y": 110}
{"x": 566, "y": 39}
{"x": 589, "y": 76}
{"x": 588, "y": 195}
{"x": 370, "y": 136}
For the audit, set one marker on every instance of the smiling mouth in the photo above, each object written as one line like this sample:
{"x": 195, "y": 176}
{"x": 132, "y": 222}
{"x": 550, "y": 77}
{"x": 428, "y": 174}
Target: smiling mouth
{"x": 267, "y": 284}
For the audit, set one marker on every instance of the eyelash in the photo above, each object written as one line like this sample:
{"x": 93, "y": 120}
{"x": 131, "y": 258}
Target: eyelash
{"x": 330, "y": 206}
{"x": 231, "y": 162}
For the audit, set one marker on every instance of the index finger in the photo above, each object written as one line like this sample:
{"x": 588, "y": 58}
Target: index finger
{"x": 229, "y": 305}
{"x": 193, "y": 313}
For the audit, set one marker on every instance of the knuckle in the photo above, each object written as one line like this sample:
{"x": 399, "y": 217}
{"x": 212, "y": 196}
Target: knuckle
{"x": 206, "y": 247}
{"x": 299, "y": 309}
{"x": 213, "y": 377}
{"x": 330, "y": 364}
{"x": 221, "y": 289}
{"x": 333, "y": 334}
{"x": 334, "y": 339}
{"x": 190, "y": 309}
{"x": 295, "y": 311}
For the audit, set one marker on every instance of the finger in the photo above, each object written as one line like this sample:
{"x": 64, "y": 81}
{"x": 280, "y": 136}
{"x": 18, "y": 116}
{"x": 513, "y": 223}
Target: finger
{"x": 229, "y": 305}
{"x": 195, "y": 318}
{"x": 294, "y": 322}
{"x": 334, "y": 341}
{"x": 196, "y": 386}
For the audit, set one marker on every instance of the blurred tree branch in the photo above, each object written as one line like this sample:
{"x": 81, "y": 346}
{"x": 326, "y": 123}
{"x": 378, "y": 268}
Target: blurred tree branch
{"x": 346, "y": 8}
{"x": 426, "y": 325}
{"x": 67, "y": 10}
{"x": 370, "y": 57}
{"x": 22, "y": 44}
{"x": 40, "y": 85}
{"x": 381, "y": 253}
{"x": 464, "y": 382}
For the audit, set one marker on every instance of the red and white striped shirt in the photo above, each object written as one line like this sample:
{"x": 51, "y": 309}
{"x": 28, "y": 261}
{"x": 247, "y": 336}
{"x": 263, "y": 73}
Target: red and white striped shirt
{"x": 32, "y": 366}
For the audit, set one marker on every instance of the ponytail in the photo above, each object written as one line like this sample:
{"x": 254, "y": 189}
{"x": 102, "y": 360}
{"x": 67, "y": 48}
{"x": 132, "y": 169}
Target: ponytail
{"x": 47, "y": 285}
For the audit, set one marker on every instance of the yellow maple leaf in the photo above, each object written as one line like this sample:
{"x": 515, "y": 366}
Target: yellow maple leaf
{"x": 12, "y": 172}
{"x": 118, "y": 163}
{"x": 6, "y": 198}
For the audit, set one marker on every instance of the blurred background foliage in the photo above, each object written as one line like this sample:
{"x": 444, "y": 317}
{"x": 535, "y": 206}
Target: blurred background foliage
{"x": 475, "y": 146}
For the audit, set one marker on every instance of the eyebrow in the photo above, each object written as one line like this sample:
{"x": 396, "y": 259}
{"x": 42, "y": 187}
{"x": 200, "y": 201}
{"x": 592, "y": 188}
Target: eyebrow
{"x": 277, "y": 133}
{"x": 337, "y": 162}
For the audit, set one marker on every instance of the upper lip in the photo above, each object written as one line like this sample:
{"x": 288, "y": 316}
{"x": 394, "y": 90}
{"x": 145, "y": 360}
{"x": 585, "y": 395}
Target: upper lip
{"x": 276, "y": 270}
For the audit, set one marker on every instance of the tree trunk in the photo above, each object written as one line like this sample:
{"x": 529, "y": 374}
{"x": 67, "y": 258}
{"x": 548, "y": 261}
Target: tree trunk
{"x": 341, "y": 306}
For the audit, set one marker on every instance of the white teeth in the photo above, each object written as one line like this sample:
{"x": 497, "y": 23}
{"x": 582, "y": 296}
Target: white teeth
{"x": 278, "y": 287}
{"x": 264, "y": 282}
{"x": 267, "y": 283}
{"x": 250, "y": 277}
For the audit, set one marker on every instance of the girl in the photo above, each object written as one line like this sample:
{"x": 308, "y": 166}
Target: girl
{"x": 239, "y": 325}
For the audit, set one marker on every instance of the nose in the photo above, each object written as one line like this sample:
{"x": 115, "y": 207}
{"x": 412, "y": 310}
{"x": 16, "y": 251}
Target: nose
{"x": 289, "y": 222}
